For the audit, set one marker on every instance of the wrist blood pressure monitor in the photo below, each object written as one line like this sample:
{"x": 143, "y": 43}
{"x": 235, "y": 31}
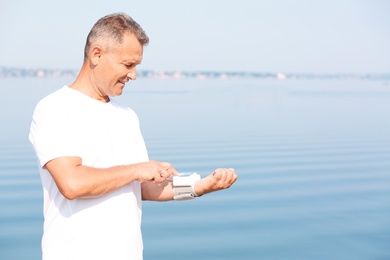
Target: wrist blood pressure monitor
{"x": 183, "y": 186}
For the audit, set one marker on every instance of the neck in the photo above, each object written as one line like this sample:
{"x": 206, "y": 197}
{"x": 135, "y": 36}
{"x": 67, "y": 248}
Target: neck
{"x": 86, "y": 85}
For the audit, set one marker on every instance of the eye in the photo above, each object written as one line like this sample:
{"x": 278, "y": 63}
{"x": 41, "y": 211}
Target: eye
{"x": 129, "y": 66}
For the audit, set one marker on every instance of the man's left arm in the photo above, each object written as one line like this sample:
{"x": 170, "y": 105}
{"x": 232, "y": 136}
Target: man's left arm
{"x": 220, "y": 179}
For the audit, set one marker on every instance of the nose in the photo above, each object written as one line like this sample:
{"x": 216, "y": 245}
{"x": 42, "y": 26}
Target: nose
{"x": 132, "y": 75}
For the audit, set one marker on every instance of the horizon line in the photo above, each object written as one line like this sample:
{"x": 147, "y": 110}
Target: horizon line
{"x": 199, "y": 74}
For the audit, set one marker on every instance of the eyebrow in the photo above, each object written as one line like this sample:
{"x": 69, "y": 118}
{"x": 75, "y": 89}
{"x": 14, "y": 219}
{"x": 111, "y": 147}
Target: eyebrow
{"x": 132, "y": 62}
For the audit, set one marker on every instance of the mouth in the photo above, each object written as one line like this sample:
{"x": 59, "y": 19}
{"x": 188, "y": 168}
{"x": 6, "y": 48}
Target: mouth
{"x": 122, "y": 81}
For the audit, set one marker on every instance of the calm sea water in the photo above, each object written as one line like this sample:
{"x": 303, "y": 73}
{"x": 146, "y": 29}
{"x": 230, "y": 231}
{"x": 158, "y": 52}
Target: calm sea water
{"x": 313, "y": 159}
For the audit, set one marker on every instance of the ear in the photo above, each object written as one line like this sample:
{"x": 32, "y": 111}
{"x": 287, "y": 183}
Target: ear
{"x": 95, "y": 54}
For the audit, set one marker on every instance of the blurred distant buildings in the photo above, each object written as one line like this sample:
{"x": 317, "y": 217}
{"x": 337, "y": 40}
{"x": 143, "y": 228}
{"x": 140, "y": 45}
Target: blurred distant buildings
{"x": 6, "y": 72}
{"x": 36, "y": 73}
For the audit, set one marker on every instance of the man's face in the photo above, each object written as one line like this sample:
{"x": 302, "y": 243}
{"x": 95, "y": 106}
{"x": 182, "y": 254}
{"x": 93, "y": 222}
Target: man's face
{"x": 118, "y": 66}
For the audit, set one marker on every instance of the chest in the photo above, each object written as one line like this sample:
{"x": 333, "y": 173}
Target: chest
{"x": 108, "y": 136}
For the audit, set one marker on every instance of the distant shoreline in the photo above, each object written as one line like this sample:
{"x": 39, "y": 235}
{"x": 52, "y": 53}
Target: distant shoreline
{"x": 6, "y": 72}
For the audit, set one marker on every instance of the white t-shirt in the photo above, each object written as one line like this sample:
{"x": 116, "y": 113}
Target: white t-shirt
{"x": 69, "y": 123}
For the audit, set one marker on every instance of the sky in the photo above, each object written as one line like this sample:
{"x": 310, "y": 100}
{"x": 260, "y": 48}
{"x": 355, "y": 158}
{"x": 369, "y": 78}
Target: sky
{"x": 302, "y": 36}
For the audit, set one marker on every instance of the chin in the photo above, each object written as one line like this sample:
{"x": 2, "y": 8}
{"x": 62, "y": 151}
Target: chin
{"x": 118, "y": 93}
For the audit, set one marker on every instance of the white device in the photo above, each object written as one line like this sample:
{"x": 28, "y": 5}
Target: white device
{"x": 183, "y": 186}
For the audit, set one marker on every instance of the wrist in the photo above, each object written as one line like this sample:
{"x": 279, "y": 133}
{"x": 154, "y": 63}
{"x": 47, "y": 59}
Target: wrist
{"x": 184, "y": 186}
{"x": 135, "y": 171}
{"x": 199, "y": 187}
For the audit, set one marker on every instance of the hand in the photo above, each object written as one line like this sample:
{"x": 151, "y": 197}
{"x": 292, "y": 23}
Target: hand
{"x": 220, "y": 179}
{"x": 154, "y": 171}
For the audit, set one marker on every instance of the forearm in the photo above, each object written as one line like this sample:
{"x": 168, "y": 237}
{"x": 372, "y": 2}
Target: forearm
{"x": 220, "y": 179}
{"x": 157, "y": 191}
{"x": 75, "y": 180}
{"x": 166, "y": 191}
{"x": 90, "y": 182}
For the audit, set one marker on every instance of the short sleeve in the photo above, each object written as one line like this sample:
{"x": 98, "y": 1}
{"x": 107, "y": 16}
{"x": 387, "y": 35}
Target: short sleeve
{"x": 52, "y": 132}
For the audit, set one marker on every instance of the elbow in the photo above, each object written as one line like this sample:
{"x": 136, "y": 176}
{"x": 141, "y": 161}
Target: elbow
{"x": 69, "y": 195}
{"x": 65, "y": 172}
{"x": 70, "y": 191}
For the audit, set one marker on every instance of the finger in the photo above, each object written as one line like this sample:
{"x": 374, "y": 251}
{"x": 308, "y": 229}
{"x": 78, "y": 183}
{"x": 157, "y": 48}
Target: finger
{"x": 174, "y": 172}
{"x": 169, "y": 169}
{"x": 163, "y": 173}
{"x": 225, "y": 175}
{"x": 217, "y": 175}
{"x": 166, "y": 164}
{"x": 161, "y": 176}
{"x": 158, "y": 179}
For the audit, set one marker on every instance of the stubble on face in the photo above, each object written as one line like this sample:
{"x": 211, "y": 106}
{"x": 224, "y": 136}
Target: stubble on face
{"x": 118, "y": 66}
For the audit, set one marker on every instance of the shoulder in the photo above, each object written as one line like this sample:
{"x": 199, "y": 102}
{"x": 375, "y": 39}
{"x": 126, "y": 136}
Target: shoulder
{"x": 54, "y": 99}
{"x": 57, "y": 104}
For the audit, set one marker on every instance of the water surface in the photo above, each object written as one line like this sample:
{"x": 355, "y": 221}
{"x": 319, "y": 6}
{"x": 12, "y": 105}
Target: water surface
{"x": 313, "y": 158}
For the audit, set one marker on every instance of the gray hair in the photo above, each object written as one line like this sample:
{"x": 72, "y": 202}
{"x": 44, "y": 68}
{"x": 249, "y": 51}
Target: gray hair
{"x": 112, "y": 28}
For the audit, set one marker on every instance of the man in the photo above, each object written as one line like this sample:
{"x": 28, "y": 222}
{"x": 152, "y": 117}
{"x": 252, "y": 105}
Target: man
{"x": 94, "y": 165}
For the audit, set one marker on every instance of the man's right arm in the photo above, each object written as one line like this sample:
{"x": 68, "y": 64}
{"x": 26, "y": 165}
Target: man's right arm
{"x": 75, "y": 180}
